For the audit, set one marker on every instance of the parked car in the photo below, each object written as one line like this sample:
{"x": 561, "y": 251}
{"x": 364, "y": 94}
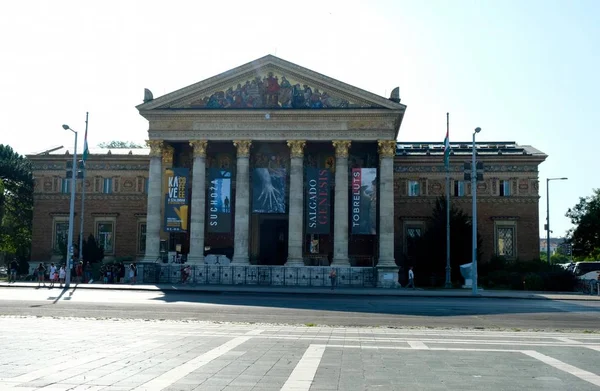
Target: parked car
{"x": 582, "y": 268}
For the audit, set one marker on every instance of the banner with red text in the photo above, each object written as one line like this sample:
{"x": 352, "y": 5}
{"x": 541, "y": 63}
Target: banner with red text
{"x": 317, "y": 201}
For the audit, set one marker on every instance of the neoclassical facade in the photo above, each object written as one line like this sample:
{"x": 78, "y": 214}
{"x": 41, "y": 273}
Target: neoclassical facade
{"x": 274, "y": 164}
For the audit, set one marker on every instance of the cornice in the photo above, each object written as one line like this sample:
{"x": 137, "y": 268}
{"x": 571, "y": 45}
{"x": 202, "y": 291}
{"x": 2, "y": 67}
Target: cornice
{"x": 90, "y": 196}
{"x": 467, "y": 200}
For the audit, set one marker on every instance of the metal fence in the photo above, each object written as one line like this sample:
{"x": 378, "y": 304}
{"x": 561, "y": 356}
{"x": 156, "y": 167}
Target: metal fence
{"x": 155, "y": 273}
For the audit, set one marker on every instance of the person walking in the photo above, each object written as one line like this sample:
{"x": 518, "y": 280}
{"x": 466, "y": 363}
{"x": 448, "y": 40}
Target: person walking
{"x": 332, "y": 277}
{"x": 62, "y": 273}
{"x": 52, "y": 275}
{"x": 41, "y": 270}
{"x": 411, "y": 278}
{"x": 14, "y": 265}
{"x": 132, "y": 273}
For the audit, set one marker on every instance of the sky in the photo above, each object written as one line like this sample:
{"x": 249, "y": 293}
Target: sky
{"x": 524, "y": 71}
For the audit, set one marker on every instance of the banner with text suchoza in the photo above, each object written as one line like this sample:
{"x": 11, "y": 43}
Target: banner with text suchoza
{"x": 317, "y": 201}
{"x": 176, "y": 200}
{"x": 363, "y": 205}
{"x": 218, "y": 202}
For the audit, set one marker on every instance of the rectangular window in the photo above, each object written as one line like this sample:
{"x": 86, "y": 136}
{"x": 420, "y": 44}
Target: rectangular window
{"x": 65, "y": 185}
{"x": 504, "y": 188}
{"x": 146, "y": 184}
{"x": 505, "y": 246}
{"x": 413, "y": 189}
{"x": 459, "y": 188}
{"x": 413, "y": 234}
{"x": 142, "y": 238}
{"x": 107, "y": 186}
{"x": 105, "y": 236}
{"x": 61, "y": 234}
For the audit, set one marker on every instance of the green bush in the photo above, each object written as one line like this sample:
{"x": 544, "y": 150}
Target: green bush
{"x": 534, "y": 282}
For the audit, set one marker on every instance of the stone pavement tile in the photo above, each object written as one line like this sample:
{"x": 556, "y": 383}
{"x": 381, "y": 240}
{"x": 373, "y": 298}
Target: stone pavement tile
{"x": 203, "y": 387}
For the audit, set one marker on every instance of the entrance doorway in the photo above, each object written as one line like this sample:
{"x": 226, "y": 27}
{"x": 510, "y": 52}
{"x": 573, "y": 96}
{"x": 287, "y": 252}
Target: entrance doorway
{"x": 273, "y": 240}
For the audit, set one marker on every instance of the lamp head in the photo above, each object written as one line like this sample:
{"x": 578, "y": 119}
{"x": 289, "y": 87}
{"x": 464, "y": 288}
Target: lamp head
{"x": 477, "y": 129}
{"x": 66, "y": 127}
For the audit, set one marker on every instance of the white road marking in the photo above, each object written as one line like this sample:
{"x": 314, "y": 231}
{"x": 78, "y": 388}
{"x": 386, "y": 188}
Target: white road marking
{"x": 567, "y": 340}
{"x": 580, "y": 373}
{"x": 304, "y": 372}
{"x": 175, "y": 374}
{"x": 417, "y": 345}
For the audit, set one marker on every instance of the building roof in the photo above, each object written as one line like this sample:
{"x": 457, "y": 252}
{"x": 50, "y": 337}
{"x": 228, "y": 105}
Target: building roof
{"x": 94, "y": 151}
{"x": 489, "y": 148}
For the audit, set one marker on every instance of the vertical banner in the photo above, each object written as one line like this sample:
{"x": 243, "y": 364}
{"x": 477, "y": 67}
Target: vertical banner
{"x": 218, "y": 205}
{"x": 317, "y": 201}
{"x": 268, "y": 190}
{"x": 176, "y": 200}
{"x": 364, "y": 201}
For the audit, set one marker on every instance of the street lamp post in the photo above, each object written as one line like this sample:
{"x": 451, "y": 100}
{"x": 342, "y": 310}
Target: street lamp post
{"x": 71, "y": 211}
{"x": 548, "y": 214}
{"x": 474, "y": 217}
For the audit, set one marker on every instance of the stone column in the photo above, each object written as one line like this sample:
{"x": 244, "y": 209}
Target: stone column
{"x": 198, "y": 203}
{"x": 386, "y": 265}
{"x": 242, "y": 203}
{"x": 296, "y": 203}
{"x": 154, "y": 201}
{"x": 340, "y": 227}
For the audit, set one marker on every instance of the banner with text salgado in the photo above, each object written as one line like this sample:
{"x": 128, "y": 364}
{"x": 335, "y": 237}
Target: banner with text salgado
{"x": 176, "y": 200}
{"x": 363, "y": 204}
{"x": 218, "y": 201}
{"x": 317, "y": 201}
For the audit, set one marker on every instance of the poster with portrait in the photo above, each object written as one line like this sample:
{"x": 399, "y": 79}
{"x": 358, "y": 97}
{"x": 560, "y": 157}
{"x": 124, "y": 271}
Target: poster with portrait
{"x": 317, "y": 198}
{"x": 363, "y": 204}
{"x": 218, "y": 201}
{"x": 176, "y": 200}
{"x": 268, "y": 190}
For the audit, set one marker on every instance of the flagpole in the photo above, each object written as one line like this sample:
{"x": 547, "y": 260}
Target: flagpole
{"x": 448, "y": 276}
{"x": 83, "y": 156}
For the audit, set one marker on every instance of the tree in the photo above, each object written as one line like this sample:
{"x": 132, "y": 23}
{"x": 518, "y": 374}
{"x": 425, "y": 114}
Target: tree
{"x": 92, "y": 251}
{"x": 431, "y": 248}
{"x": 16, "y": 203}
{"x": 585, "y": 216}
{"x": 119, "y": 144}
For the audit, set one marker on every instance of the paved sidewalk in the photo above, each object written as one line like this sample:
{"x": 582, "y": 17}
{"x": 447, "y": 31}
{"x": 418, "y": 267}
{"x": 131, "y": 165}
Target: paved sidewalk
{"x": 324, "y": 290}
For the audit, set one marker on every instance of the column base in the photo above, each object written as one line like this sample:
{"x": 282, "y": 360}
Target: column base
{"x": 340, "y": 262}
{"x": 239, "y": 260}
{"x": 387, "y": 277}
{"x": 195, "y": 260}
{"x": 148, "y": 258}
{"x": 295, "y": 262}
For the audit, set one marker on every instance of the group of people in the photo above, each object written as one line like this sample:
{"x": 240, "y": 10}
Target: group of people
{"x": 117, "y": 273}
{"x": 82, "y": 272}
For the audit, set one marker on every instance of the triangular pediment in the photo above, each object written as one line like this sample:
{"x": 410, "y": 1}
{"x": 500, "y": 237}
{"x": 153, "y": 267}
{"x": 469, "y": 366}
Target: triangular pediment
{"x": 269, "y": 83}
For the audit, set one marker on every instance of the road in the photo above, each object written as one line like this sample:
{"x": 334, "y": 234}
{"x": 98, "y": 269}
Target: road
{"x": 305, "y": 309}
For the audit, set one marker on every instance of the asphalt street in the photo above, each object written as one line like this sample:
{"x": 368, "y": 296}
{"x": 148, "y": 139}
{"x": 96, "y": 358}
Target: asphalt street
{"x": 338, "y": 310}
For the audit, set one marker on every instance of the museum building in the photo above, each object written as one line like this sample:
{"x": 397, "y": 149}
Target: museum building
{"x": 274, "y": 164}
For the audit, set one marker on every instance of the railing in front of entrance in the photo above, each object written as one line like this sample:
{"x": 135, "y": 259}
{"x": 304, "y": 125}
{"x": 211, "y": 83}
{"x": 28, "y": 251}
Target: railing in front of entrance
{"x": 156, "y": 273}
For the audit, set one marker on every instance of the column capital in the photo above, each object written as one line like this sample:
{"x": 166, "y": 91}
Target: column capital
{"x": 155, "y": 147}
{"x": 243, "y": 147}
{"x": 341, "y": 147}
{"x": 167, "y": 153}
{"x": 296, "y": 147}
{"x": 199, "y": 147}
{"x": 387, "y": 148}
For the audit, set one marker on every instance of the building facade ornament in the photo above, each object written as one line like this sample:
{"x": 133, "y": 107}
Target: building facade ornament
{"x": 387, "y": 148}
{"x": 167, "y": 153}
{"x": 155, "y": 147}
{"x": 341, "y": 147}
{"x": 296, "y": 147}
{"x": 243, "y": 147}
{"x": 199, "y": 147}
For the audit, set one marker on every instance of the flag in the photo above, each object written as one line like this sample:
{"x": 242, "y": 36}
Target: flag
{"x": 447, "y": 149}
{"x": 86, "y": 151}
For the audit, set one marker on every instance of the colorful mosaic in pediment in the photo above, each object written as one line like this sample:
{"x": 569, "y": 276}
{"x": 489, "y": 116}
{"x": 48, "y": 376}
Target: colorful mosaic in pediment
{"x": 273, "y": 91}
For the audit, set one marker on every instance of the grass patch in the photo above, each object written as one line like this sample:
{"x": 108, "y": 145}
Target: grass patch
{"x": 310, "y": 324}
